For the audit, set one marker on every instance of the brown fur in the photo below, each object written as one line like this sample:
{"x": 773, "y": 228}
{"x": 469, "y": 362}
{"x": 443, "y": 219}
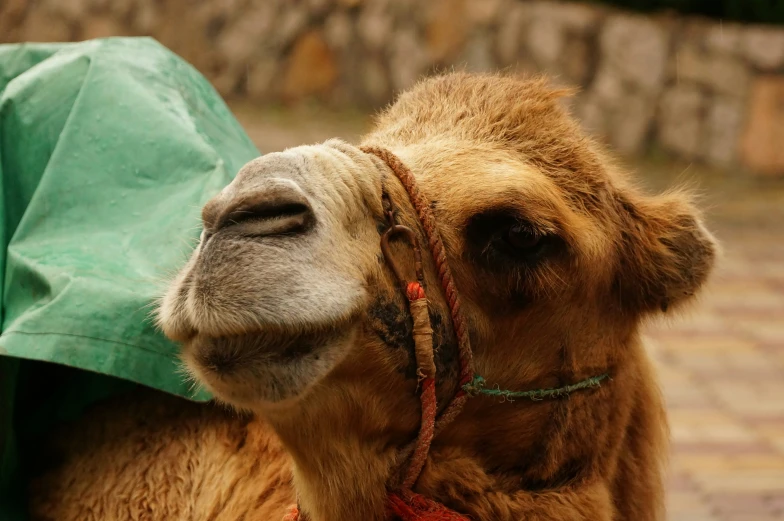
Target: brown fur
{"x": 151, "y": 456}
{"x": 477, "y": 145}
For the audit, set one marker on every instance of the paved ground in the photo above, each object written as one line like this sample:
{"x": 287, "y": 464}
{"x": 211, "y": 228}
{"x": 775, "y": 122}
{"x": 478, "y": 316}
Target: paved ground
{"x": 721, "y": 366}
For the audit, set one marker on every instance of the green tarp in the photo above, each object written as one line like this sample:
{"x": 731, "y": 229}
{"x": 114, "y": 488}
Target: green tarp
{"x": 108, "y": 150}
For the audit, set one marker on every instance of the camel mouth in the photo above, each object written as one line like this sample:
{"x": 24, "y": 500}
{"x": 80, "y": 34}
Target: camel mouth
{"x": 227, "y": 355}
{"x": 265, "y": 367}
{"x": 268, "y": 301}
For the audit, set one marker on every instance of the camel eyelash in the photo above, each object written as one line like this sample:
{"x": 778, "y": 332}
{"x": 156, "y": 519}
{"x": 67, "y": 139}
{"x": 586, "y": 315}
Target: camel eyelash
{"x": 502, "y": 239}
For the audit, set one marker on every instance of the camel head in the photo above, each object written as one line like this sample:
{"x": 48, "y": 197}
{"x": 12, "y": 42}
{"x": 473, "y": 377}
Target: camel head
{"x": 288, "y": 308}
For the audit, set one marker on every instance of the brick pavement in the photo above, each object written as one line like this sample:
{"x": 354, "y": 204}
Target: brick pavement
{"x": 721, "y": 368}
{"x": 721, "y": 364}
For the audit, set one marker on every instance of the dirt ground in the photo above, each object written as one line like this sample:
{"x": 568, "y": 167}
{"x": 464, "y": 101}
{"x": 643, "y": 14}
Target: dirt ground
{"x": 721, "y": 365}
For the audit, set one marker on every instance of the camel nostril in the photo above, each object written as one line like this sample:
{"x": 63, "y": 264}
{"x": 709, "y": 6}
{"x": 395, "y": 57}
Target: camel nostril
{"x": 259, "y": 208}
{"x": 275, "y": 210}
{"x": 269, "y": 218}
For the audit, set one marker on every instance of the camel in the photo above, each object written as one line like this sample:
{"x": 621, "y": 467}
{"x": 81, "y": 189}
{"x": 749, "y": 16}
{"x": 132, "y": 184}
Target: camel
{"x": 290, "y": 313}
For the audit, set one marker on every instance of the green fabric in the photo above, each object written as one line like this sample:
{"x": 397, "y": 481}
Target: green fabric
{"x": 108, "y": 150}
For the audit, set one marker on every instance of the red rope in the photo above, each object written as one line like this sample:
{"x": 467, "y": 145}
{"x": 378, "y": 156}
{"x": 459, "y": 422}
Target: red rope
{"x": 422, "y": 207}
{"x": 426, "y": 432}
{"x": 413, "y": 507}
{"x": 405, "y": 504}
{"x": 415, "y": 292}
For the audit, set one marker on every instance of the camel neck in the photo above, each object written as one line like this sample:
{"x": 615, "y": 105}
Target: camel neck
{"x": 342, "y": 482}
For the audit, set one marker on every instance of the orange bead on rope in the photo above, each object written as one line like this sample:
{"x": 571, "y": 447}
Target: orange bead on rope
{"x": 415, "y": 291}
{"x": 426, "y": 370}
{"x": 403, "y": 503}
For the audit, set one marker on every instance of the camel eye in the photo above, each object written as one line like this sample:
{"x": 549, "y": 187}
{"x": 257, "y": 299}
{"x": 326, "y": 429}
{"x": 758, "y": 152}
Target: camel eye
{"x": 522, "y": 239}
{"x": 500, "y": 237}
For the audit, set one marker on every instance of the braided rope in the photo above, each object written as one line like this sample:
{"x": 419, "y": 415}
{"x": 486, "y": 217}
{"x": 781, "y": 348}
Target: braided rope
{"x": 422, "y": 207}
{"x": 409, "y": 506}
{"x": 426, "y": 433}
{"x": 423, "y": 347}
{"x": 404, "y": 503}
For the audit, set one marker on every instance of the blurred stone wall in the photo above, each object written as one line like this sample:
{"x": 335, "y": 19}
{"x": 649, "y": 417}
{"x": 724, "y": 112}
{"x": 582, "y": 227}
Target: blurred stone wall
{"x": 704, "y": 90}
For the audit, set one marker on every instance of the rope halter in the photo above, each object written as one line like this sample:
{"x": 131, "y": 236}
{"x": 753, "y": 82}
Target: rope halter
{"x": 402, "y": 502}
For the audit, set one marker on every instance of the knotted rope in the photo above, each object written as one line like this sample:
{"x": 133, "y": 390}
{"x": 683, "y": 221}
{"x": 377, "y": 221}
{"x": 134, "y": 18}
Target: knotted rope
{"x": 427, "y": 219}
{"x": 403, "y": 503}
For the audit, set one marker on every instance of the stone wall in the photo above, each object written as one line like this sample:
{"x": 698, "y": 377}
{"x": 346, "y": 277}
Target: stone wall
{"x": 703, "y": 90}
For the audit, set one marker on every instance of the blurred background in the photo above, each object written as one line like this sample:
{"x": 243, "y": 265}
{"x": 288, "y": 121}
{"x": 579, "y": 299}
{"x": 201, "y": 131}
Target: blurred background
{"x": 683, "y": 90}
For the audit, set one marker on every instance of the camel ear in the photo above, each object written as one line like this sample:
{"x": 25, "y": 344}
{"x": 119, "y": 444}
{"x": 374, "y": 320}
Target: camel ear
{"x": 665, "y": 255}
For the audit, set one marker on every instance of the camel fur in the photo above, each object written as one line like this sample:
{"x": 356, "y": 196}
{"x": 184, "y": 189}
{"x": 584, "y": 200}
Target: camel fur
{"x": 288, "y": 313}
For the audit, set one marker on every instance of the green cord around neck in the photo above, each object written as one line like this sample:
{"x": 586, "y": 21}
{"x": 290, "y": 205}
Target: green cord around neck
{"x": 477, "y": 386}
